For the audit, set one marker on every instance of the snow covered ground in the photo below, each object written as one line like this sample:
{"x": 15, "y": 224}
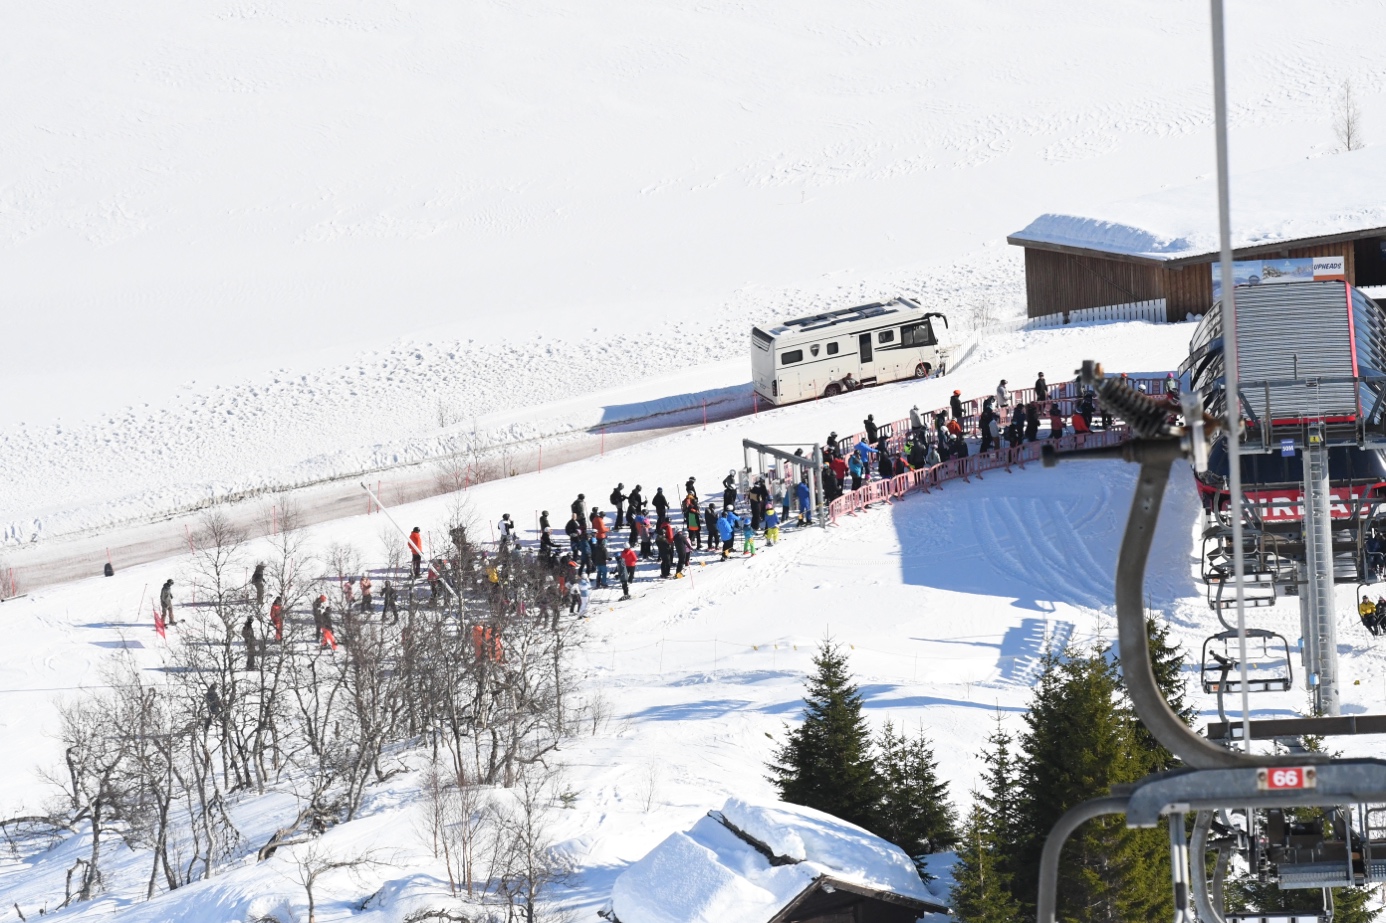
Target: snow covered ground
{"x": 248, "y": 245}
{"x": 946, "y": 601}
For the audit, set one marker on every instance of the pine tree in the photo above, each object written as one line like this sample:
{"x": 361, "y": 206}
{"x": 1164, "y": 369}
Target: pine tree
{"x": 1167, "y": 663}
{"x": 1000, "y": 796}
{"x": 826, "y": 762}
{"x": 1080, "y": 742}
{"x": 914, "y": 811}
{"x": 981, "y": 887}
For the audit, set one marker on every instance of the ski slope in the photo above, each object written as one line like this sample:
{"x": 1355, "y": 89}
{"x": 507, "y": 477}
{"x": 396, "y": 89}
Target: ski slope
{"x": 247, "y": 246}
{"x": 946, "y": 601}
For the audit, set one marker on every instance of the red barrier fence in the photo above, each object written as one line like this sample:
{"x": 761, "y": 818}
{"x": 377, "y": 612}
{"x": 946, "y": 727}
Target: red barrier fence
{"x": 966, "y": 468}
{"x": 1066, "y": 394}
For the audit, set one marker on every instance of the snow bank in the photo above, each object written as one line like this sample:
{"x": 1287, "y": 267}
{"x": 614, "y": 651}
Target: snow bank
{"x": 1309, "y": 198}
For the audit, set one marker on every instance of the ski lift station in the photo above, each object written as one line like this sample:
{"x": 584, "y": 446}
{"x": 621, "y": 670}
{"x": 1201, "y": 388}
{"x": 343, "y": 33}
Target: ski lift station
{"x": 1162, "y": 248}
{"x": 773, "y": 863}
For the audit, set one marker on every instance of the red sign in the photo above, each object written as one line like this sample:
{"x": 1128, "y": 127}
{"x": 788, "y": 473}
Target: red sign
{"x": 1285, "y": 778}
{"x": 1287, "y": 505}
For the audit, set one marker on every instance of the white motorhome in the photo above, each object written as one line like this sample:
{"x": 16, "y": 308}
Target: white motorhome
{"x": 827, "y": 354}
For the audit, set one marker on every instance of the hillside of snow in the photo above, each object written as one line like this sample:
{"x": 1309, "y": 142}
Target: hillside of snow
{"x": 946, "y": 602}
{"x": 249, "y": 246}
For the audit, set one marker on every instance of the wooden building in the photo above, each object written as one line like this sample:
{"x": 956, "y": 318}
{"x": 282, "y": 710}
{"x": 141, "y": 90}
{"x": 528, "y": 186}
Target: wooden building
{"x": 1164, "y": 246}
{"x": 771, "y": 863}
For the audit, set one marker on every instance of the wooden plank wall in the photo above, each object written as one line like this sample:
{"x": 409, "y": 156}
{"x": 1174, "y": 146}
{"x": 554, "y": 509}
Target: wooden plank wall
{"x": 1056, "y": 282}
{"x": 1187, "y": 291}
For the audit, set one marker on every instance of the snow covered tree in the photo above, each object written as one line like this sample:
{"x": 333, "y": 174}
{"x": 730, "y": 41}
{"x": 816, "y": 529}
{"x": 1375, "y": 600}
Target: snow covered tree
{"x": 981, "y": 887}
{"x": 826, "y": 762}
{"x": 915, "y": 812}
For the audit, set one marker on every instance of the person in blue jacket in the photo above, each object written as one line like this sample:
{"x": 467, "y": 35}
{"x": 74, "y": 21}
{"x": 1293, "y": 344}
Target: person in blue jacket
{"x": 726, "y": 525}
{"x": 801, "y": 490}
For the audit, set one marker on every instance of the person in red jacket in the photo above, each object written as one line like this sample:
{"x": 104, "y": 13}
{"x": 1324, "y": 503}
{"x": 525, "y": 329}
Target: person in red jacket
{"x": 277, "y": 617}
{"x": 626, "y": 569}
{"x": 416, "y": 550}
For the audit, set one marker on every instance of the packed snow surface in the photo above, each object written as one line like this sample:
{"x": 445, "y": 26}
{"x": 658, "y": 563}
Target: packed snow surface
{"x": 1310, "y": 198}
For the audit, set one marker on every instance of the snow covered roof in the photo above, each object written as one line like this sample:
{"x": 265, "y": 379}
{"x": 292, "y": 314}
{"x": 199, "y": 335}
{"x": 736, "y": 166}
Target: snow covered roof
{"x": 748, "y": 862}
{"x": 1334, "y": 196}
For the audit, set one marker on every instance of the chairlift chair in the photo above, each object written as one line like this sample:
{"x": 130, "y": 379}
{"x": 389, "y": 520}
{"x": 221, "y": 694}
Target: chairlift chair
{"x": 1269, "y": 668}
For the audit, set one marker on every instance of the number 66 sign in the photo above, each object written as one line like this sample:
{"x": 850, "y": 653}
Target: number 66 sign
{"x": 1286, "y": 778}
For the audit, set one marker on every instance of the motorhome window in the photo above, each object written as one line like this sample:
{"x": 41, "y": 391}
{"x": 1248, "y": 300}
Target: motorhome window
{"x": 885, "y": 336}
{"x": 920, "y": 334}
{"x": 832, "y": 349}
{"x": 794, "y": 355}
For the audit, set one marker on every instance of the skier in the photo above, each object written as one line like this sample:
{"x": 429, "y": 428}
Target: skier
{"x": 1056, "y": 421}
{"x": 322, "y": 620}
{"x": 729, "y": 490}
{"x": 772, "y": 526}
{"x": 801, "y": 492}
{"x": 756, "y": 498}
{"x": 748, "y": 537}
{"x": 506, "y": 528}
{"x": 213, "y": 701}
{"x": 366, "y": 593}
{"x": 543, "y": 520}
{"x": 349, "y": 591}
{"x": 599, "y": 555}
{"x": 869, "y": 424}
{"x": 598, "y": 524}
{"x": 642, "y": 527}
{"x": 277, "y": 617}
{"x": 932, "y": 458}
{"x": 416, "y": 550}
{"x": 166, "y": 601}
{"x": 693, "y": 525}
{"x": 663, "y": 541}
{"x": 955, "y": 404}
{"x": 856, "y": 470}
{"x": 660, "y": 503}
{"x": 257, "y": 580}
{"x": 628, "y": 560}
{"x": 389, "y": 603}
{"x": 618, "y": 503}
{"x": 683, "y": 548}
{"x": 710, "y": 526}
{"x": 580, "y": 507}
{"x": 916, "y": 422}
{"x": 831, "y": 443}
{"x": 547, "y": 551}
{"x": 634, "y": 503}
{"x": 984, "y": 425}
{"x": 575, "y": 532}
{"x": 1032, "y": 422}
{"x": 1041, "y": 388}
{"x": 724, "y": 532}
{"x": 248, "y": 636}
{"x": 1366, "y": 611}
{"x": 1171, "y": 387}
{"x": 690, "y": 489}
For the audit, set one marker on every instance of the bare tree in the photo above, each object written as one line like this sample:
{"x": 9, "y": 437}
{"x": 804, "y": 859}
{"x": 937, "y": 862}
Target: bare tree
{"x": 528, "y": 864}
{"x": 1347, "y": 117}
{"x": 312, "y": 861}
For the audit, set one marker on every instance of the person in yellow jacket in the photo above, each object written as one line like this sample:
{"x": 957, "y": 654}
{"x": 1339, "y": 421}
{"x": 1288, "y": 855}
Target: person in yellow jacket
{"x": 1366, "y": 611}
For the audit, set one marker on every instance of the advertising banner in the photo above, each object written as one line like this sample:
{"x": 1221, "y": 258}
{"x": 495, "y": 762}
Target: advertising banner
{"x": 1274, "y": 271}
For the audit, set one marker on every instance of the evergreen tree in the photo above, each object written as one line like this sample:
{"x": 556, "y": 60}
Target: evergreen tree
{"x": 999, "y": 798}
{"x": 914, "y": 811}
{"x": 826, "y": 761}
{"x": 1167, "y": 663}
{"x": 1080, "y": 742}
{"x": 981, "y": 887}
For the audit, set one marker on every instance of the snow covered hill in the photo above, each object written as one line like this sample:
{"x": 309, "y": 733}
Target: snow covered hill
{"x": 946, "y": 602}
{"x": 249, "y": 244}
